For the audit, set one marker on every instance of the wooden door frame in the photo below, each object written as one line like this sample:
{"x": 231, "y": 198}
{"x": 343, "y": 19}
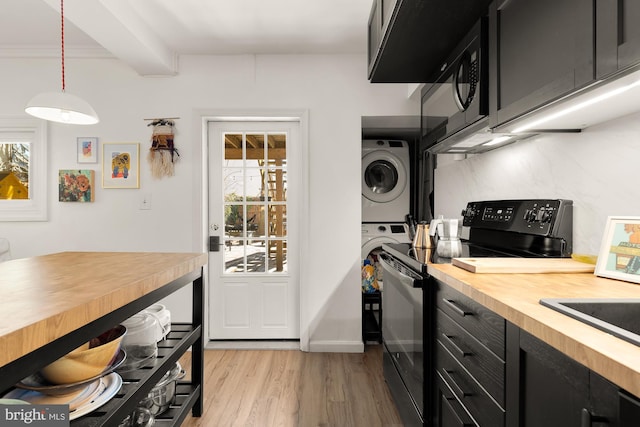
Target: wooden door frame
{"x": 201, "y": 204}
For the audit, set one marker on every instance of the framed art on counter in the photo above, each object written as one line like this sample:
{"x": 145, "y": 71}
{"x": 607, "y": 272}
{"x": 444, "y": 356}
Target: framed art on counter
{"x": 619, "y": 256}
{"x": 120, "y": 165}
{"x": 87, "y": 149}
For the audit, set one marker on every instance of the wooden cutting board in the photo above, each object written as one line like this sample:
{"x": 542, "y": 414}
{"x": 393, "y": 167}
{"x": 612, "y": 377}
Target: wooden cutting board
{"x": 522, "y": 265}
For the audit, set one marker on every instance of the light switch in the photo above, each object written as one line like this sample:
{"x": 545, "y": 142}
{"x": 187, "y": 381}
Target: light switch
{"x": 145, "y": 202}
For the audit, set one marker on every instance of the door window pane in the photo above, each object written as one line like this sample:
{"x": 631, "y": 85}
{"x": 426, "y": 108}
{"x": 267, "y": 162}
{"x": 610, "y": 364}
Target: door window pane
{"x": 233, "y": 150}
{"x": 278, "y": 256}
{"x": 233, "y": 184}
{"x": 255, "y": 150}
{"x": 277, "y": 220}
{"x": 233, "y": 220}
{"x": 277, "y": 148}
{"x": 277, "y": 184}
{"x": 254, "y": 185}
{"x": 255, "y": 220}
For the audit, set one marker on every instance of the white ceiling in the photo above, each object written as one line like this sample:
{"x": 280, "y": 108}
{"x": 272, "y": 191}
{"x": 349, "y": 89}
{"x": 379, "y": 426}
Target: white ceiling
{"x": 150, "y": 35}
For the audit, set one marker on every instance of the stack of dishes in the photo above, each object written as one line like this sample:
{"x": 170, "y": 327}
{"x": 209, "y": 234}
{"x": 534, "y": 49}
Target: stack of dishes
{"x": 83, "y": 379}
{"x": 81, "y": 398}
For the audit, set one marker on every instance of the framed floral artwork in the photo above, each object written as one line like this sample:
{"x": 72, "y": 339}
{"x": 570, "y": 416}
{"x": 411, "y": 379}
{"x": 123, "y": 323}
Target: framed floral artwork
{"x": 87, "y": 149}
{"x": 76, "y": 185}
{"x": 619, "y": 256}
{"x": 120, "y": 165}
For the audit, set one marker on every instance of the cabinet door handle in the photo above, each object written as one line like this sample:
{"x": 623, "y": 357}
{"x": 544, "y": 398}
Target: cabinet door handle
{"x": 455, "y": 307}
{"x": 587, "y": 420}
{"x": 449, "y": 374}
{"x": 620, "y": 12}
{"x": 461, "y": 352}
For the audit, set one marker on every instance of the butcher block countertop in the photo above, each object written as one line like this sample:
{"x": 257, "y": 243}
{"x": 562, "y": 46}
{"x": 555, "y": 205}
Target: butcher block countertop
{"x": 516, "y": 298}
{"x": 45, "y": 297}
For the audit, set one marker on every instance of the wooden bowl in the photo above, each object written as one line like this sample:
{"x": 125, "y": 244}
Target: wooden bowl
{"x": 86, "y": 361}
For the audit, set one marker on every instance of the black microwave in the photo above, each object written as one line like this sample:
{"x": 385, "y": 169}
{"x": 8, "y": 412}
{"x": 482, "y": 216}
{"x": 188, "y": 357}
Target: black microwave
{"x": 457, "y": 98}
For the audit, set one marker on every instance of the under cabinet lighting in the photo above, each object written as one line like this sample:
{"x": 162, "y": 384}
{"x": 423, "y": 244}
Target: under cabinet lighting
{"x": 498, "y": 140}
{"x": 585, "y": 116}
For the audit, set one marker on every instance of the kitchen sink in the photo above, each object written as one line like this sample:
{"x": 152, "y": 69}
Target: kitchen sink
{"x": 619, "y": 317}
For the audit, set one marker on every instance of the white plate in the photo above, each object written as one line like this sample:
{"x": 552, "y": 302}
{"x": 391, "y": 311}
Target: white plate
{"x": 112, "y": 382}
{"x": 74, "y": 400}
{"x": 90, "y": 399}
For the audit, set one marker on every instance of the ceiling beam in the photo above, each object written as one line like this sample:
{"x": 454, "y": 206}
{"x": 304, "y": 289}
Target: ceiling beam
{"x": 116, "y": 26}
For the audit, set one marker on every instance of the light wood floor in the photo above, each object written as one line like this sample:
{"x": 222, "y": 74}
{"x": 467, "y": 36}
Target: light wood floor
{"x": 291, "y": 388}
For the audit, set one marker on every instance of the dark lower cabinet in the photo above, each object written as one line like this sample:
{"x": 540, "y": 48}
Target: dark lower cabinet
{"x": 553, "y": 387}
{"x": 556, "y": 391}
{"x": 490, "y": 373}
{"x": 469, "y": 348}
{"x": 451, "y": 412}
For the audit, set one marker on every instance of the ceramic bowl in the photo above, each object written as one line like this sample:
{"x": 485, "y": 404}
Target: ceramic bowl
{"x": 83, "y": 363}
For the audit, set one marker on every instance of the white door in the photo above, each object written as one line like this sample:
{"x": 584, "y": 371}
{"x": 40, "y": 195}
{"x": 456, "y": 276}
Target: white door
{"x": 253, "y": 277}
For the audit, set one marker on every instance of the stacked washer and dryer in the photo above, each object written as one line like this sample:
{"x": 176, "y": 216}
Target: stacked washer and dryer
{"x": 386, "y": 195}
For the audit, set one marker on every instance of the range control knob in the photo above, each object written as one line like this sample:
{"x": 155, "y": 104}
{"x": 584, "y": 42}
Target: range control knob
{"x": 468, "y": 212}
{"x": 530, "y": 215}
{"x": 545, "y": 215}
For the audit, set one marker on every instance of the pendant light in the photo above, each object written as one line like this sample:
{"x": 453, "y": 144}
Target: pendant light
{"x": 62, "y": 107}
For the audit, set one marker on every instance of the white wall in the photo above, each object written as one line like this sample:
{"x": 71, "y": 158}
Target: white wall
{"x": 334, "y": 90}
{"x": 597, "y": 169}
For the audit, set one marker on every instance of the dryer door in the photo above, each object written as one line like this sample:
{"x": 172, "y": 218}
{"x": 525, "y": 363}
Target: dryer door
{"x": 373, "y": 246}
{"x": 384, "y": 177}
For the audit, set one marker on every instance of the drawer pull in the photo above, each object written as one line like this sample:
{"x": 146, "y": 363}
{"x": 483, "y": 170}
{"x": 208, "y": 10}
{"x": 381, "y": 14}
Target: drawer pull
{"x": 449, "y": 374}
{"x": 461, "y": 352}
{"x": 587, "y": 420}
{"x": 452, "y": 304}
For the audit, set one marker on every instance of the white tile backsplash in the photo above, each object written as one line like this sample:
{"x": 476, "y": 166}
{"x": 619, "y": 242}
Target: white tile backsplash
{"x": 599, "y": 169}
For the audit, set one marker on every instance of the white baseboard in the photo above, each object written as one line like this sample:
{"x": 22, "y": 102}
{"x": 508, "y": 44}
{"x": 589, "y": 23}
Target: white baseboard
{"x": 252, "y": 345}
{"x": 336, "y": 346}
{"x": 314, "y": 346}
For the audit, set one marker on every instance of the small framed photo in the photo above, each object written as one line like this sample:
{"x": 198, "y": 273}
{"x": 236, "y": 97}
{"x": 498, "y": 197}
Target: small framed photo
{"x": 120, "y": 165}
{"x": 619, "y": 256}
{"x": 76, "y": 185}
{"x": 87, "y": 149}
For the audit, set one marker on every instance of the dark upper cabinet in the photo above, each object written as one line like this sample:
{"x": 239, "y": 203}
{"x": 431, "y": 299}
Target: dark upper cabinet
{"x": 618, "y": 35}
{"x": 409, "y": 39}
{"x": 539, "y": 51}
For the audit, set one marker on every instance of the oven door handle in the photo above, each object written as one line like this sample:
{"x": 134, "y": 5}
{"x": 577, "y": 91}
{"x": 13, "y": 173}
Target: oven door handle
{"x": 404, "y": 277}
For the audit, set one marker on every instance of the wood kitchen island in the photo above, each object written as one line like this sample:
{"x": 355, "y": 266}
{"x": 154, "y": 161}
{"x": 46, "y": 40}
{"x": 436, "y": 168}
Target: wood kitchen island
{"x": 52, "y": 304}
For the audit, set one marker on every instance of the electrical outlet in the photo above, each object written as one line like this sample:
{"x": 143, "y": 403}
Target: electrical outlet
{"x": 145, "y": 202}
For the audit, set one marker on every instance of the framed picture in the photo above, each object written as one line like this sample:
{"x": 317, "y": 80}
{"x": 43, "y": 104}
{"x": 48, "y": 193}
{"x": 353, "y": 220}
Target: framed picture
{"x": 87, "y": 150}
{"x": 619, "y": 256}
{"x": 76, "y": 185}
{"x": 120, "y": 165}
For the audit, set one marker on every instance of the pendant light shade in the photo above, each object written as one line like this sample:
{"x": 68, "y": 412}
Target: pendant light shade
{"x": 62, "y": 107}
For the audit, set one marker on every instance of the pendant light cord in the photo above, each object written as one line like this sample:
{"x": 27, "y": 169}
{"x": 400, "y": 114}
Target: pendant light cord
{"x": 62, "y": 40}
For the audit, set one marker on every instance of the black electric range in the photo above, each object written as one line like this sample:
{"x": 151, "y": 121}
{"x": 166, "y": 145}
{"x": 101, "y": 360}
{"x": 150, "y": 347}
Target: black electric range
{"x": 502, "y": 228}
